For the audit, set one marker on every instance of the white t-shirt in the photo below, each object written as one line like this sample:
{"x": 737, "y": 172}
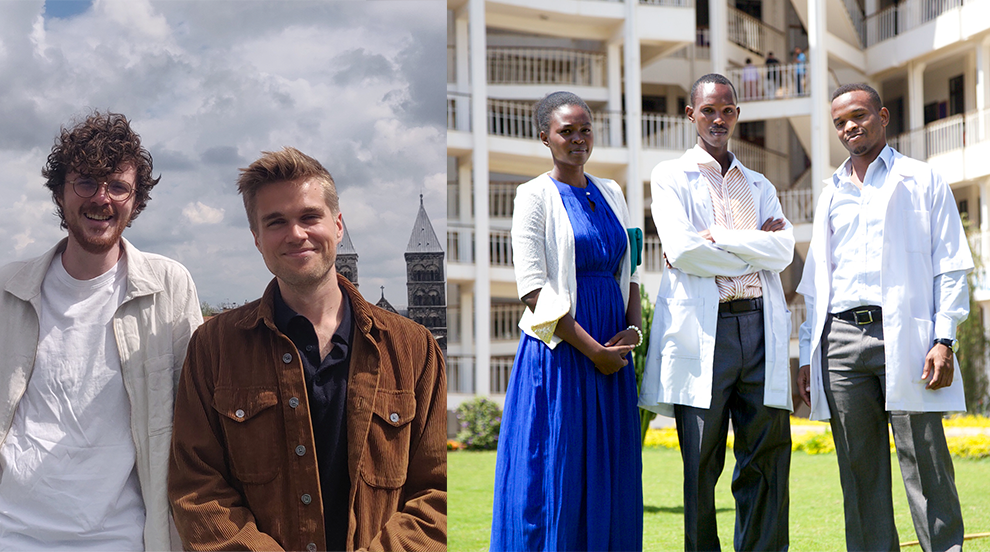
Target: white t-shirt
{"x": 67, "y": 468}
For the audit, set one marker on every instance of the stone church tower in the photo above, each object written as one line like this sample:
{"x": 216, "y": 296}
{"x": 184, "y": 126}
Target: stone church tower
{"x": 427, "y": 290}
{"x": 347, "y": 258}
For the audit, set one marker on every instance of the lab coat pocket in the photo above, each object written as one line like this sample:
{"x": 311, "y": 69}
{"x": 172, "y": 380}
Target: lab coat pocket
{"x": 920, "y": 346}
{"x": 780, "y": 332}
{"x": 682, "y": 338}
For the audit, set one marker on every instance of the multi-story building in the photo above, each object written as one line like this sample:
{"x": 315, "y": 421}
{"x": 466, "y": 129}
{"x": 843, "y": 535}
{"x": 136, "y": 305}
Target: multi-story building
{"x": 633, "y": 61}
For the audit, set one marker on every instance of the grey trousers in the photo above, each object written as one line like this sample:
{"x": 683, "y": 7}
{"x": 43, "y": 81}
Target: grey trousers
{"x": 762, "y": 445}
{"x": 853, "y": 370}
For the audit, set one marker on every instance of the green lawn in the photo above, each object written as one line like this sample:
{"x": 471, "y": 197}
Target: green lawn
{"x": 816, "y": 501}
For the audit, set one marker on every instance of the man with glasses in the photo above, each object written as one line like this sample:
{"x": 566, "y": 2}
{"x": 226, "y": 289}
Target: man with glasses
{"x": 92, "y": 337}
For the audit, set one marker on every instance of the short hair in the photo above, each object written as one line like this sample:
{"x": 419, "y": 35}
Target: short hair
{"x": 713, "y": 78}
{"x": 98, "y": 147}
{"x": 552, "y": 102}
{"x": 861, "y": 87}
{"x": 284, "y": 165}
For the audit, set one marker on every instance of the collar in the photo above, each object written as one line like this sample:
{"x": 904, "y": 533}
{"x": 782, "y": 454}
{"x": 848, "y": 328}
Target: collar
{"x": 698, "y": 156}
{"x": 141, "y": 278}
{"x": 284, "y": 315}
{"x": 844, "y": 172}
{"x": 264, "y": 310}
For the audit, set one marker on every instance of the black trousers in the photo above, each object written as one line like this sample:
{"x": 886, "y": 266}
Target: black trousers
{"x": 762, "y": 445}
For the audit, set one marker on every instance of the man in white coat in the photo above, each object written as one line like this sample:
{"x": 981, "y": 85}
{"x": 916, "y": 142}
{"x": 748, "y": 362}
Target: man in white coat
{"x": 885, "y": 287}
{"x": 718, "y": 346}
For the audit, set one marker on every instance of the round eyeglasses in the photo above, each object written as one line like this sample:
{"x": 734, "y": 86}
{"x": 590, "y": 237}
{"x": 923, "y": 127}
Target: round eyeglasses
{"x": 87, "y": 187}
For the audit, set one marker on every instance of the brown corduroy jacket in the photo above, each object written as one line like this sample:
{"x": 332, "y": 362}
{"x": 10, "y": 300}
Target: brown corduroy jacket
{"x": 237, "y": 480}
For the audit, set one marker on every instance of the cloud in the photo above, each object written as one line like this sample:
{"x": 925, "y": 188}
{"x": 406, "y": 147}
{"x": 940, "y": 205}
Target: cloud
{"x": 209, "y": 86}
{"x": 199, "y": 213}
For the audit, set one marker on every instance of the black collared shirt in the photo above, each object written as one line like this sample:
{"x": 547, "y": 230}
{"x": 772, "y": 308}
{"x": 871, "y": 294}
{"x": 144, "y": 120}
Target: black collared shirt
{"x": 326, "y": 383}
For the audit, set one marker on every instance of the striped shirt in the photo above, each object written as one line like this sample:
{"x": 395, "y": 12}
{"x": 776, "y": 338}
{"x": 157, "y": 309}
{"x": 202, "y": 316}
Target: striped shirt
{"x": 733, "y": 207}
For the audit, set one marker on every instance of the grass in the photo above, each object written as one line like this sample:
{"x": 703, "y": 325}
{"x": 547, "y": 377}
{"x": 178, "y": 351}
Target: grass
{"x": 816, "y": 519}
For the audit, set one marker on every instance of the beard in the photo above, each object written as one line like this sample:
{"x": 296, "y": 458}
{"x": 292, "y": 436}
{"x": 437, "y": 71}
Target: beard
{"x": 318, "y": 272}
{"x": 103, "y": 242}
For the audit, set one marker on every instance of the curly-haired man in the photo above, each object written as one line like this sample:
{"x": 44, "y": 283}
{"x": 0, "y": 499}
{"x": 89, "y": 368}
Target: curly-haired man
{"x": 92, "y": 337}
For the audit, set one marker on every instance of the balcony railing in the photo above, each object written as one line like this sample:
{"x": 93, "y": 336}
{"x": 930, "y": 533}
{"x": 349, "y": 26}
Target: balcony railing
{"x": 460, "y": 374}
{"x": 857, "y": 18}
{"x": 500, "y": 248}
{"x": 501, "y": 197}
{"x": 652, "y": 254}
{"x": 942, "y": 136}
{"x": 453, "y": 200}
{"x": 515, "y": 120}
{"x": 798, "y": 314}
{"x": 511, "y": 65}
{"x": 451, "y": 64}
{"x": 798, "y": 205}
{"x": 505, "y": 321}
{"x": 460, "y": 244}
{"x": 769, "y": 83}
{"x": 458, "y": 111}
{"x": 753, "y": 34}
{"x": 501, "y": 369}
{"x": 907, "y": 15}
{"x": 775, "y": 166}
{"x": 668, "y": 132}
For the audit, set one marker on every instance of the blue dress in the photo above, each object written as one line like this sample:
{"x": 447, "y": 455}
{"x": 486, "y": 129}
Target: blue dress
{"x": 568, "y": 475}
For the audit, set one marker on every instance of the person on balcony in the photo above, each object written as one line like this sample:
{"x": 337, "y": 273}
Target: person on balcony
{"x": 721, "y": 328}
{"x": 750, "y": 81}
{"x": 568, "y": 473}
{"x": 773, "y": 75}
{"x": 885, "y": 286}
{"x": 800, "y": 63}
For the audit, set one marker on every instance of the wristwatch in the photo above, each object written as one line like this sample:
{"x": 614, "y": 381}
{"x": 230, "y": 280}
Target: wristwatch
{"x": 952, "y": 344}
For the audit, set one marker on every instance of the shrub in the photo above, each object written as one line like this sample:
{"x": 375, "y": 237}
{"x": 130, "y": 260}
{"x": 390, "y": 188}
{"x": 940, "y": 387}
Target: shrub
{"x": 970, "y": 446}
{"x": 813, "y": 442}
{"x": 480, "y": 420}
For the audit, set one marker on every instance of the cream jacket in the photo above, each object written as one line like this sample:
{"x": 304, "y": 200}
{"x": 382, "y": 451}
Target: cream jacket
{"x": 923, "y": 237}
{"x": 682, "y": 339}
{"x": 543, "y": 253}
{"x": 152, "y": 327}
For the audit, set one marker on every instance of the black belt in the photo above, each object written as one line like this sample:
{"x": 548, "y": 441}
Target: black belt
{"x": 740, "y": 306}
{"x": 861, "y": 315}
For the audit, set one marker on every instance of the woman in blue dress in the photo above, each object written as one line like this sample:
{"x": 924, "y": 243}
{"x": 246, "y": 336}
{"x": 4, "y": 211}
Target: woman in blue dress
{"x": 568, "y": 473}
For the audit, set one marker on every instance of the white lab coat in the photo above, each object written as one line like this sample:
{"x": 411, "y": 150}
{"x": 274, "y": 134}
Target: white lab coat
{"x": 682, "y": 339}
{"x": 922, "y": 238}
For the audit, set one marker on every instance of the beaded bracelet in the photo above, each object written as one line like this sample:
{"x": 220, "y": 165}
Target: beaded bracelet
{"x": 638, "y": 332}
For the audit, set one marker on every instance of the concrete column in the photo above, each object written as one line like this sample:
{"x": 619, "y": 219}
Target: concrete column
{"x": 467, "y": 335}
{"x": 718, "y": 25}
{"x": 634, "y": 116}
{"x": 614, "y": 60}
{"x": 482, "y": 226}
{"x": 982, "y": 83}
{"x": 464, "y": 204}
{"x": 817, "y": 81}
{"x": 916, "y": 109}
{"x": 461, "y": 60}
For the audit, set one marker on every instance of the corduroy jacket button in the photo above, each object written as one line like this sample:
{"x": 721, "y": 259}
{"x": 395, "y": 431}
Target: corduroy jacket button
{"x": 306, "y": 499}
{"x": 287, "y": 358}
{"x": 239, "y": 413}
{"x": 294, "y": 402}
{"x": 300, "y": 450}
{"x": 394, "y": 417}
{"x": 311, "y": 547}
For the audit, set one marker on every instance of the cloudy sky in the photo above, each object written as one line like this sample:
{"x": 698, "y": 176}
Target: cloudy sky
{"x": 208, "y": 86}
